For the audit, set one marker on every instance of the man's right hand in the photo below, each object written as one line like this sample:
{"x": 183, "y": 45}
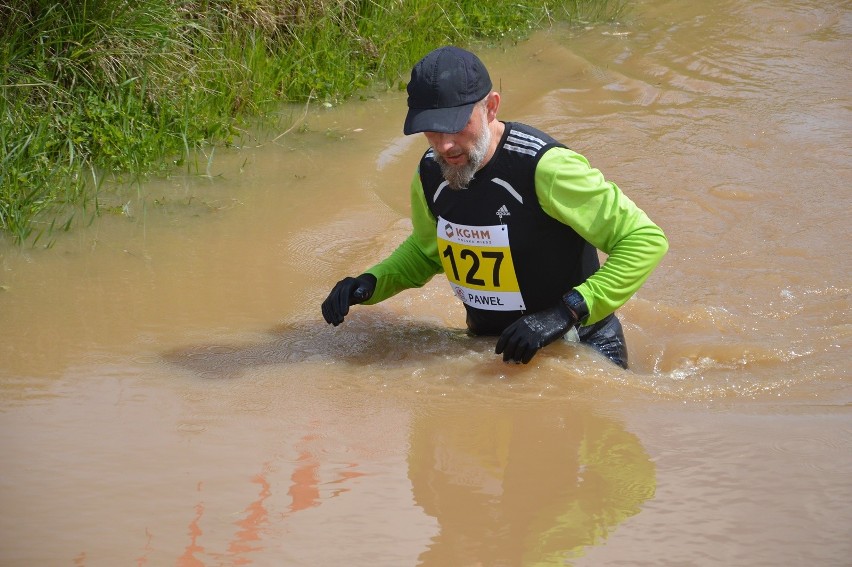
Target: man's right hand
{"x": 347, "y": 292}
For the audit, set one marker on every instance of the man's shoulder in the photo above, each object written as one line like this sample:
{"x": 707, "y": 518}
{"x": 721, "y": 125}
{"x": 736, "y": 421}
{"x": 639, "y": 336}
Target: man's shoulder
{"x": 524, "y": 141}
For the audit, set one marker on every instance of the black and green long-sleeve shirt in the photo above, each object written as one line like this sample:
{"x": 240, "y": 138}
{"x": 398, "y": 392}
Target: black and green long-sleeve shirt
{"x": 523, "y": 233}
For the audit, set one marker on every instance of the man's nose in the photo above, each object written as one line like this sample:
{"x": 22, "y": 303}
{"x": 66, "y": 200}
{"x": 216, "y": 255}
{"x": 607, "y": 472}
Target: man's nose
{"x": 445, "y": 142}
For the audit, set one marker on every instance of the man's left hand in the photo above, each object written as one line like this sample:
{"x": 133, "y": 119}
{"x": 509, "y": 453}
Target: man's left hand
{"x": 522, "y": 339}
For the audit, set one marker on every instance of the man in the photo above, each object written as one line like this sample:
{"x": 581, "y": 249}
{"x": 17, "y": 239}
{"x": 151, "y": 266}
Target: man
{"x": 513, "y": 218}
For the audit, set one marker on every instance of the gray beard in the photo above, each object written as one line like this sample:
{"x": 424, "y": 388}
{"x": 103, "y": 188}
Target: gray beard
{"x": 459, "y": 176}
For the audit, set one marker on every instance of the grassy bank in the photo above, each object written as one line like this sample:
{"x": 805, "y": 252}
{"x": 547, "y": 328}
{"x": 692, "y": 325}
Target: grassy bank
{"x": 98, "y": 88}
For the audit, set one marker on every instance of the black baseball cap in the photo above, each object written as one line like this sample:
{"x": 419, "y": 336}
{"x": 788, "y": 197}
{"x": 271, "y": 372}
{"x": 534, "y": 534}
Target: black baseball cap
{"x": 444, "y": 87}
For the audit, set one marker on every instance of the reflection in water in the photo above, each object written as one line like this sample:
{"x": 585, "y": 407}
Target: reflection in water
{"x": 305, "y": 480}
{"x": 521, "y": 486}
{"x": 305, "y": 488}
{"x": 256, "y": 517}
{"x": 189, "y": 559}
{"x": 143, "y": 559}
{"x": 256, "y": 524}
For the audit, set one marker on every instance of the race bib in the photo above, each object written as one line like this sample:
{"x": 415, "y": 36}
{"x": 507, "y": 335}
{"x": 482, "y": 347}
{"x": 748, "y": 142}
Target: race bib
{"x": 478, "y": 264}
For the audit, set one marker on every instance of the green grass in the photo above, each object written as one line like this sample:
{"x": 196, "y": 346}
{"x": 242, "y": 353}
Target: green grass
{"x": 117, "y": 89}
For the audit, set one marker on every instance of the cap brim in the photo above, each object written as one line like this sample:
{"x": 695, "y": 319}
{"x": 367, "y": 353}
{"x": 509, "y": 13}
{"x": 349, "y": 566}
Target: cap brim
{"x": 444, "y": 120}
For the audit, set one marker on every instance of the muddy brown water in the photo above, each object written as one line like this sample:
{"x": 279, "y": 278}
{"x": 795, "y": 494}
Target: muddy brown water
{"x": 171, "y": 395}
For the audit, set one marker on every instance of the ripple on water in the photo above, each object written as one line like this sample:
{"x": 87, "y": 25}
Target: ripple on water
{"x": 734, "y": 193}
{"x": 333, "y": 244}
{"x": 810, "y": 451}
{"x": 191, "y": 427}
{"x": 372, "y": 337}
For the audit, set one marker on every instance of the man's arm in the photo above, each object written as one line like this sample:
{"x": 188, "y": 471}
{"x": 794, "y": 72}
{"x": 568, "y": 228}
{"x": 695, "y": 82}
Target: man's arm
{"x": 416, "y": 260}
{"x": 574, "y": 193}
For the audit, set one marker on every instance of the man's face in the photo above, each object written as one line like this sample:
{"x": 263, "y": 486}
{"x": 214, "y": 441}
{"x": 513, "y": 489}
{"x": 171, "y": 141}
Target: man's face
{"x": 462, "y": 153}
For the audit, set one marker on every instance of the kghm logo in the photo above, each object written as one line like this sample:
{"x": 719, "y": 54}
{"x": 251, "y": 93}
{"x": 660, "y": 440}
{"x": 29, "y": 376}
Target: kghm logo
{"x": 469, "y": 234}
{"x": 474, "y": 233}
{"x": 503, "y": 212}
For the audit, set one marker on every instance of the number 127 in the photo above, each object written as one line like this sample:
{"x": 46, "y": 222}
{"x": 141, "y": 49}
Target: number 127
{"x": 475, "y": 263}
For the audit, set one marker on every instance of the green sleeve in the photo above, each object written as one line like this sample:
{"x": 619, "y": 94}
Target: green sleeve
{"x": 416, "y": 260}
{"x": 574, "y": 193}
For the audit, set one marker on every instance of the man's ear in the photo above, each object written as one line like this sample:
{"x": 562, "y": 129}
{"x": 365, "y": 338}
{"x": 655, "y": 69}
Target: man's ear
{"x": 492, "y": 104}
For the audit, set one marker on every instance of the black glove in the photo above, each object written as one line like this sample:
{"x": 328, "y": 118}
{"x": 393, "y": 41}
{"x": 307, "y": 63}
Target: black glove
{"x": 347, "y": 292}
{"x": 522, "y": 339}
